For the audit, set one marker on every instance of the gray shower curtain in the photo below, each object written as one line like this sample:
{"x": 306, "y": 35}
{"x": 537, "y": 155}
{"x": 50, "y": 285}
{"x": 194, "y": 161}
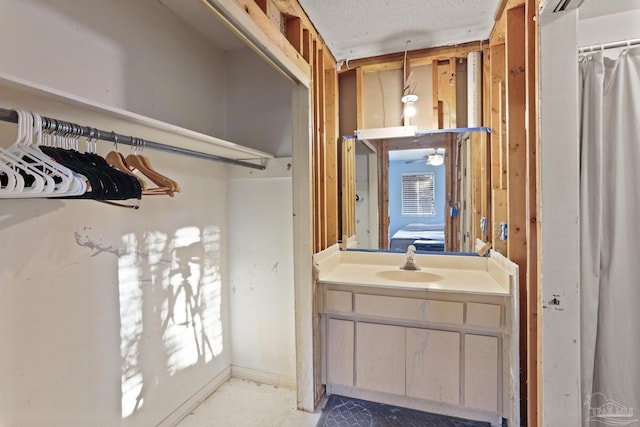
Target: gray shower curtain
{"x": 610, "y": 238}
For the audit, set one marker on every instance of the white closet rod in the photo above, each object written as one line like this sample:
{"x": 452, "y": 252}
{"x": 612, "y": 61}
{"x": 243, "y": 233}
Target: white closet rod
{"x": 610, "y": 45}
{"x": 85, "y": 131}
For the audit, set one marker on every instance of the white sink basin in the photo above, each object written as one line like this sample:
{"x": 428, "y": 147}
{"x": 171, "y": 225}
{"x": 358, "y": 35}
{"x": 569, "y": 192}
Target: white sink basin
{"x": 409, "y": 276}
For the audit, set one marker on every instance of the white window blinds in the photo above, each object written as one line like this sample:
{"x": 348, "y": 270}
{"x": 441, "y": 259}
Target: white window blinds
{"x": 418, "y": 194}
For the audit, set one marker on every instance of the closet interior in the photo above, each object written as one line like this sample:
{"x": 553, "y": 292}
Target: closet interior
{"x": 133, "y": 316}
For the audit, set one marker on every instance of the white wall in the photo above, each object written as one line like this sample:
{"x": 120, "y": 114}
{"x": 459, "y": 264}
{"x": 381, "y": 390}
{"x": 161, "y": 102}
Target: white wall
{"x": 111, "y": 316}
{"x": 560, "y": 256}
{"x": 561, "y": 35}
{"x": 258, "y": 110}
{"x": 609, "y": 28}
{"x": 135, "y": 55}
{"x": 261, "y": 272}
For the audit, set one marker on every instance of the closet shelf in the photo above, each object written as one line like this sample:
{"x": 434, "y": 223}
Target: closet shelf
{"x": 18, "y": 93}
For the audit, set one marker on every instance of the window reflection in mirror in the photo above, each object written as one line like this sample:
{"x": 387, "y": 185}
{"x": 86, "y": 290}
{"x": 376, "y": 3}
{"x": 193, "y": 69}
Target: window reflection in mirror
{"x": 432, "y": 191}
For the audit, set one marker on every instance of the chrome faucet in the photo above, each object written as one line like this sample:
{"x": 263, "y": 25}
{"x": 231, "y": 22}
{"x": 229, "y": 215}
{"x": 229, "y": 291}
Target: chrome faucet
{"x": 410, "y": 263}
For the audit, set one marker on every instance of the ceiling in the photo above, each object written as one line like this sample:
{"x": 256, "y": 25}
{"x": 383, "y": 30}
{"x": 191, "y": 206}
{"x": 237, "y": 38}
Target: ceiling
{"x": 362, "y": 28}
{"x": 593, "y": 8}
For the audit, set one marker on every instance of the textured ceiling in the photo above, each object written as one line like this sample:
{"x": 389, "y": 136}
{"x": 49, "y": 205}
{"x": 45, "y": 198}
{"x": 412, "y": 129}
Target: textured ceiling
{"x": 593, "y": 8}
{"x": 362, "y": 28}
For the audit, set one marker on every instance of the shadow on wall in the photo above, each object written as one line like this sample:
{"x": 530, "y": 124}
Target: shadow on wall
{"x": 170, "y": 307}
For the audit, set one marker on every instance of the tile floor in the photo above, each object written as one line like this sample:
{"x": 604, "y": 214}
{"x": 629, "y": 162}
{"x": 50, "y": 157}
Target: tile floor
{"x": 242, "y": 403}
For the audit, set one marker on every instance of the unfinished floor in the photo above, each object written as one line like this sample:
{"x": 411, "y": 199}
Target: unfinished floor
{"x": 242, "y": 403}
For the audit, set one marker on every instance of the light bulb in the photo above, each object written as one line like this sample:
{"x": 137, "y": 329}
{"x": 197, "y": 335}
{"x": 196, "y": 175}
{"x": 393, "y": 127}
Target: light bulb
{"x": 409, "y": 110}
{"x": 435, "y": 159}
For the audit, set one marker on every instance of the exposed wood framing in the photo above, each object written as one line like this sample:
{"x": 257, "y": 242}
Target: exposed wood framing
{"x": 452, "y": 190}
{"x": 273, "y": 32}
{"x": 383, "y": 193}
{"x": 534, "y": 383}
{"x": 451, "y": 83}
{"x": 331, "y": 151}
{"x": 415, "y": 57}
{"x": 287, "y": 25}
{"x": 517, "y": 166}
{"x": 348, "y": 188}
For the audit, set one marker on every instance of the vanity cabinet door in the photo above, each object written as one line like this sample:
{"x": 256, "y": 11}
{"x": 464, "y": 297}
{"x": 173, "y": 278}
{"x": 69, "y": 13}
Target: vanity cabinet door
{"x": 481, "y": 372}
{"x": 340, "y": 346}
{"x": 433, "y": 365}
{"x": 380, "y": 358}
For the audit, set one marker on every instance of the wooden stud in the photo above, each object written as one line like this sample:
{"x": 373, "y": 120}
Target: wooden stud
{"x": 273, "y": 33}
{"x": 360, "y": 98}
{"x": 444, "y": 94}
{"x": 498, "y": 115}
{"x": 307, "y": 45}
{"x": 453, "y": 98}
{"x": 498, "y": 215}
{"x": 383, "y": 194}
{"x": 437, "y": 108}
{"x": 532, "y": 236}
{"x": 517, "y": 168}
{"x": 294, "y": 33}
{"x": 331, "y": 166}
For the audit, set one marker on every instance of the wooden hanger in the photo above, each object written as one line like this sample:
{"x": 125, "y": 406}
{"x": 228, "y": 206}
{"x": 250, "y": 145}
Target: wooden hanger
{"x": 143, "y": 165}
{"x": 116, "y": 160}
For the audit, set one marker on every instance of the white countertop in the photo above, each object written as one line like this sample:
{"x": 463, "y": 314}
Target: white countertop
{"x": 439, "y": 273}
{"x": 467, "y": 281}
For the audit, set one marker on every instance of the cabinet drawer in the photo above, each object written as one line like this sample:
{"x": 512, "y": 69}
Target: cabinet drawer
{"x": 484, "y": 315}
{"x": 410, "y": 309}
{"x": 338, "y": 302}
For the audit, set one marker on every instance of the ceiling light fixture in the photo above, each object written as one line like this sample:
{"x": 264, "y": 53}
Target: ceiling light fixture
{"x": 408, "y": 98}
{"x": 409, "y": 108}
{"x": 436, "y": 159}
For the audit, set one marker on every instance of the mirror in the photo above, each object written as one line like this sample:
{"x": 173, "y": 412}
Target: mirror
{"x": 430, "y": 190}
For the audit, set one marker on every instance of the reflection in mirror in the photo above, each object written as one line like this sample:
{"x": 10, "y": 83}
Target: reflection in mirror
{"x": 430, "y": 190}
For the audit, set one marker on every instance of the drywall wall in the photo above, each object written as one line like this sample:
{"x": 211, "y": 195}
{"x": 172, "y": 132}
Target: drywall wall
{"x": 609, "y": 28}
{"x": 261, "y": 274}
{"x": 112, "y": 316}
{"x": 137, "y": 56}
{"x": 560, "y": 240}
{"x": 258, "y": 108}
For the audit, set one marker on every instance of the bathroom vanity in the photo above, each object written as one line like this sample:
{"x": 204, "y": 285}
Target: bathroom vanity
{"x": 442, "y": 339}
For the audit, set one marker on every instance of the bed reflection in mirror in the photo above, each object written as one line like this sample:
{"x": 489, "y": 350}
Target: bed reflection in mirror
{"x": 431, "y": 190}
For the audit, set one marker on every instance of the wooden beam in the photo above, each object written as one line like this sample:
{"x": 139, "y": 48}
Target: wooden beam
{"x": 273, "y": 33}
{"x": 498, "y": 116}
{"x": 331, "y": 152}
{"x": 532, "y": 236}
{"x": 294, "y": 33}
{"x": 453, "y": 93}
{"x": 499, "y": 216}
{"x": 383, "y": 193}
{"x": 416, "y": 57}
{"x": 435, "y": 85}
{"x": 497, "y": 35}
{"x": 360, "y": 98}
{"x": 517, "y": 169}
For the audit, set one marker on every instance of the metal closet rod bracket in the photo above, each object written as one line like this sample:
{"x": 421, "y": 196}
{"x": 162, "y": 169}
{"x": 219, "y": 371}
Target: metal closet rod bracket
{"x": 73, "y": 129}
